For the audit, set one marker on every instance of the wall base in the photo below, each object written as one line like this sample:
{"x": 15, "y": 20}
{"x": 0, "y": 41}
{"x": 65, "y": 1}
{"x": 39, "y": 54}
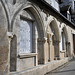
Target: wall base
{"x": 42, "y": 69}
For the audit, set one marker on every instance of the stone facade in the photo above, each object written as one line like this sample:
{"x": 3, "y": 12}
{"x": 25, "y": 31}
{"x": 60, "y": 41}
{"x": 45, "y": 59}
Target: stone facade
{"x": 48, "y": 42}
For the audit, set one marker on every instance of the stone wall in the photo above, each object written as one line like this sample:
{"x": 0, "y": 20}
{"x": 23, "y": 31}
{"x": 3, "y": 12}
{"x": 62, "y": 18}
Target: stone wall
{"x": 46, "y": 38}
{"x": 4, "y": 44}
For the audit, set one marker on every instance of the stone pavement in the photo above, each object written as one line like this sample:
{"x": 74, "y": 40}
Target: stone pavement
{"x": 68, "y": 69}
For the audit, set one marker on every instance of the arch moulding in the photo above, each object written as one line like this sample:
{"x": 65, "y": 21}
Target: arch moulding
{"x": 63, "y": 26}
{"x": 54, "y": 25}
{"x": 36, "y": 14}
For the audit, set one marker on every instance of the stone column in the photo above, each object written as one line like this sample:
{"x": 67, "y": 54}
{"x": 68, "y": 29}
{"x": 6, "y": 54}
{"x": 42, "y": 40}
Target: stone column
{"x": 49, "y": 41}
{"x": 46, "y": 50}
{"x": 56, "y": 49}
{"x": 10, "y": 36}
{"x": 41, "y": 50}
{"x": 68, "y": 49}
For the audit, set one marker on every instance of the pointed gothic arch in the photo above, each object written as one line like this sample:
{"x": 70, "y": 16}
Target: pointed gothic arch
{"x": 64, "y": 43}
{"x": 55, "y": 37}
{"x": 64, "y": 27}
{"x": 54, "y": 25}
{"x": 34, "y": 11}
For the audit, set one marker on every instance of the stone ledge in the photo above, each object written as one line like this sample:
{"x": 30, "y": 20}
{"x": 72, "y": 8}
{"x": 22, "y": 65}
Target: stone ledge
{"x": 42, "y": 69}
{"x": 63, "y": 51}
{"x": 27, "y": 55}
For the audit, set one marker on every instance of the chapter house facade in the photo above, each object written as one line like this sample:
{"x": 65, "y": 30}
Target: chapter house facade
{"x": 35, "y": 37}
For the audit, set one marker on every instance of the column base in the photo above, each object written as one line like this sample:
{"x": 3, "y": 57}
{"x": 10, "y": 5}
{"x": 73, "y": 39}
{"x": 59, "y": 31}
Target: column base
{"x": 57, "y": 58}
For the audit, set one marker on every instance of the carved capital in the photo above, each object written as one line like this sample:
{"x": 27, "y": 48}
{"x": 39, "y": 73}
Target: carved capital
{"x": 49, "y": 36}
{"x": 10, "y": 34}
{"x": 42, "y": 39}
{"x": 56, "y": 42}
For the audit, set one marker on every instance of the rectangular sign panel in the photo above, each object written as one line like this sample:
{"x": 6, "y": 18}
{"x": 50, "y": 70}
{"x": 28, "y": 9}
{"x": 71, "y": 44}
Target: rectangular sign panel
{"x": 25, "y": 36}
